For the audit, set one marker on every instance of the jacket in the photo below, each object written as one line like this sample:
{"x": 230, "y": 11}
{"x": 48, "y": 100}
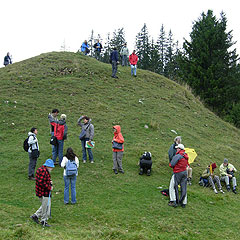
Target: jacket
{"x": 124, "y": 51}
{"x": 43, "y": 182}
{"x": 118, "y": 137}
{"x": 98, "y": 47}
{"x": 32, "y": 142}
{"x": 223, "y": 169}
{"x": 172, "y": 151}
{"x": 60, "y": 128}
{"x": 64, "y": 163}
{"x": 114, "y": 56}
{"x": 84, "y": 46}
{"x": 179, "y": 162}
{"x": 7, "y": 60}
{"x": 88, "y": 127}
{"x": 133, "y": 59}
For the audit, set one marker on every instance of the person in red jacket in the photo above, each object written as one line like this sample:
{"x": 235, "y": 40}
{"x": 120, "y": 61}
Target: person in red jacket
{"x": 179, "y": 164}
{"x": 43, "y": 191}
{"x": 118, "y": 149}
{"x": 133, "y": 59}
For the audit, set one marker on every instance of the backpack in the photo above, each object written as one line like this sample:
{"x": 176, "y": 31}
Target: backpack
{"x": 25, "y": 145}
{"x": 71, "y": 168}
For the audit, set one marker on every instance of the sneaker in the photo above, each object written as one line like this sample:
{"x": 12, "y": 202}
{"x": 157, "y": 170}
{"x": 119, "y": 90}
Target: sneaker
{"x": 221, "y": 191}
{"x": 34, "y": 218}
{"x": 148, "y": 172}
{"x": 172, "y": 204}
{"x": 183, "y": 205}
{"x": 115, "y": 171}
{"x": 215, "y": 190}
{"x": 91, "y": 161}
{"x": 121, "y": 171}
{"x": 235, "y": 191}
{"x": 228, "y": 188}
{"x": 141, "y": 171}
{"x": 45, "y": 224}
{"x": 84, "y": 161}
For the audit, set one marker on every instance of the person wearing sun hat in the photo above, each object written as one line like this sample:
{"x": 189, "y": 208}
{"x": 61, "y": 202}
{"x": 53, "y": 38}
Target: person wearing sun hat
{"x": 43, "y": 191}
{"x": 212, "y": 178}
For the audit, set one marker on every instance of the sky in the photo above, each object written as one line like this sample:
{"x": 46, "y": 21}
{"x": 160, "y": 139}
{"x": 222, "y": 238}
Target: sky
{"x": 31, "y": 27}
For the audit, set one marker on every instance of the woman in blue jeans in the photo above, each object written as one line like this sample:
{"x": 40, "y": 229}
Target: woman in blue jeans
{"x": 70, "y": 156}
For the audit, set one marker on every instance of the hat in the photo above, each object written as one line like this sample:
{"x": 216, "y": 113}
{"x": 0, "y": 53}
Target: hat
{"x": 214, "y": 166}
{"x": 181, "y": 146}
{"x": 63, "y": 116}
{"x": 225, "y": 160}
{"x": 49, "y": 163}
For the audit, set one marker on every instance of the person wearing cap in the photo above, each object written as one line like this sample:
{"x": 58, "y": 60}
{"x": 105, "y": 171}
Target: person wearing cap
{"x": 43, "y": 191}
{"x": 212, "y": 178}
{"x": 124, "y": 54}
{"x": 179, "y": 164}
{"x": 60, "y": 132}
{"x": 227, "y": 171}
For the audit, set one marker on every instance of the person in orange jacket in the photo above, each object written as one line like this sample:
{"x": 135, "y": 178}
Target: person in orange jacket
{"x": 133, "y": 59}
{"x": 118, "y": 149}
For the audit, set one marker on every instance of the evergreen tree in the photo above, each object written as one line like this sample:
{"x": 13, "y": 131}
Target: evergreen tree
{"x": 153, "y": 57}
{"x": 107, "y": 49}
{"x": 91, "y": 43}
{"x": 208, "y": 62}
{"x": 161, "y": 42}
{"x": 143, "y": 48}
{"x": 118, "y": 39}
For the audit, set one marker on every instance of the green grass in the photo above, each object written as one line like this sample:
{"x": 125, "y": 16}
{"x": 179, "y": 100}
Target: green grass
{"x": 110, "y": 206}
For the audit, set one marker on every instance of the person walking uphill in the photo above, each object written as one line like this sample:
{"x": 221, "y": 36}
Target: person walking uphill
{"x": 114, "y": 62}
{"x": 33, "y": 152}
{"x": 118, "y": 149}
{"x": 86, "y": 134}
{"x": 133, "y": 59}
{"x": 60, "y": 132}
{"x": 179, "y": 164}
{"x": 43, "y": 191}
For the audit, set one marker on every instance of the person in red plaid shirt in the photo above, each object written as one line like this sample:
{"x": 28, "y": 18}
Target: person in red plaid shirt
{"x": 43, "y": 191}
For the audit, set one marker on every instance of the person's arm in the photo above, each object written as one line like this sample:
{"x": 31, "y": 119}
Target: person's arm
{"x": 222, "y": 171}
{"x": 65, "y": 131}
{"x": 31, "y": 140}
{"x": 79, "y": 121}
{"x": 91, "y": 132}
{"x": 175, "y": 160}
{"x": 51, "y": 119}
{"x": 206, "y": 173}
{"x": 63, "y": 163}
{"x": 77, "y": 161}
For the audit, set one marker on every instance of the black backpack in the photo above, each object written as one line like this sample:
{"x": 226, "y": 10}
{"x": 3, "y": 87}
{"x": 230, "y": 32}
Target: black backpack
{"x": 25, "y": 145}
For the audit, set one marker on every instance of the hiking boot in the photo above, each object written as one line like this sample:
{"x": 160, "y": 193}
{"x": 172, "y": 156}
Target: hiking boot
{"x": 183, "y": 205}
{"x": 45, "y": 224}
{"x": 189, "y": 181}
{"x": 141, "y": 171}
{"x": 228, "y": 188}
{"x": 115, "y": 171}
{"x": 221, "y": 191}
{"x": 148, "y": 172}
{"x": 215, "y": 190}
{"x": 235, "y": 191}
{"x": 34, "y": 218}
{"x": 172, "y": 204}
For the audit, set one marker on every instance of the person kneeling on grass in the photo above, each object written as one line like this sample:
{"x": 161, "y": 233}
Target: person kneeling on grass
{"x": 43, "y": 191}
{"x": 145, "y": 163}
{"x": 212, "y": 178}
{"x": 118, "y": 149}
{"x": 70, "y": 163}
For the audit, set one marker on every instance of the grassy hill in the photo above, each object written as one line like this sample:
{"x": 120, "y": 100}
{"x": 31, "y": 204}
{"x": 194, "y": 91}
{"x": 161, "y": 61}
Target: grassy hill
{"x": 110, "y": 206}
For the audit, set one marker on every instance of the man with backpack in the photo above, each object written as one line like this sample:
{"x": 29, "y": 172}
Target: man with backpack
{"x": 31, "y": 145}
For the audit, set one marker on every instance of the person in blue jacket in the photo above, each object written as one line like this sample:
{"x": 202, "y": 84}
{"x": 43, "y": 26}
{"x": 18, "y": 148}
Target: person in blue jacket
{"x": 85, "y": 48}
{"x": 114, "y": 61}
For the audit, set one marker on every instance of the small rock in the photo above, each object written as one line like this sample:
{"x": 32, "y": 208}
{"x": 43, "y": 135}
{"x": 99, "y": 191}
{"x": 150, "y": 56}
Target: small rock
{"x": 13, "y": 124}
{"x": 146, "y": 126}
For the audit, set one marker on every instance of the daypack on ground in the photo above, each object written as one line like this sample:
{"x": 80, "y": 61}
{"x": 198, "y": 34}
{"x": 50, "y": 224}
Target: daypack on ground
{"x": 25, "y": 145}
{"x": 71, "y": 168}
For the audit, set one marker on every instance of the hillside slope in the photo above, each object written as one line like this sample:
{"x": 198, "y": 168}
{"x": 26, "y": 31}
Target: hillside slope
{"x": 110, "y": 206}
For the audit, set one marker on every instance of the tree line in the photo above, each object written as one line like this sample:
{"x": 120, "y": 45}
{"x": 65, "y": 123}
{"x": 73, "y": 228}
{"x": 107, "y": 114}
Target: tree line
{"x": 208, "y": 62}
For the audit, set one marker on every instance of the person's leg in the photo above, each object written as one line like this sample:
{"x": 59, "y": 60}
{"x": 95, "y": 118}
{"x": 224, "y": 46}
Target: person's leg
{"x": 32, "y": 165}
{"x": 119, "y": 161}
{"x": 45, "y": 206}
{"x": 66, "y": 189}
{"x": 52, "y": 134}
{"x": 132, "y": 69}
{"x": 226, "y": 179}
{"x": 234, "y": 182}
{"x": 73, "y": 189}
{"x": 115, "y": 68}
{"x": 183, "y": 185}
{"x": 114, "y": 64}
{"x": 38, "y": 213}
{"x": 211, "y": 182}
{"x": 176, "y": 182}
{"x": 172, "y": 194}
{"x": 122, "y": 60}
{"x": 84, "y": 154}
{"x": 135, "y": 70}
{"x": 55, "y": 152}
{"x": 115, "y": 165}
{"x": 60, "y": 150}
{"x": 217, "y": 180}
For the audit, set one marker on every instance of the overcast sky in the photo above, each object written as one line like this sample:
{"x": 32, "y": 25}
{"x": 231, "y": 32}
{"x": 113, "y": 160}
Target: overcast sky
{"x": 31, "y": 27}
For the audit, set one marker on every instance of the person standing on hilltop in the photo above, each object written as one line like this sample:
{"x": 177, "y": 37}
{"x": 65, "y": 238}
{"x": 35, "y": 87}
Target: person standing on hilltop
{"x": 7, "y": 60}
{"x": 98, "y": 48}
{"x": 114, "y": 61}
{"x": 133, "y": 59}
{"x": 124, "y": 54}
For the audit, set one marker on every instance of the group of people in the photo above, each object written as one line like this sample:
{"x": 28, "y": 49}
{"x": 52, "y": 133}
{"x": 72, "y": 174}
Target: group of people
{"x": 70, "y": 161}
{"x": 182, "y": 175}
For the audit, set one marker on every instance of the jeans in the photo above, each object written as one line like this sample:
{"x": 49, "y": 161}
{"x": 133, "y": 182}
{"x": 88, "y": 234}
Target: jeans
{"x": 134, "y": 70}
{"x": 114, "y": 68}
{"x": 68, "y": 181}
{"x": 124, "y": 60}
{"x": 32, "y": 165}
{"x": 84, "y": 153}
{"x": 58, "y": 151}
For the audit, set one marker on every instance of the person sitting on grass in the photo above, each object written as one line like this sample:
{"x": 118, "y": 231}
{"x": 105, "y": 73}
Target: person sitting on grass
{"x": 212, "y": 178}
{"x": 227, "y": 171}
{"x": 145, "y": 164}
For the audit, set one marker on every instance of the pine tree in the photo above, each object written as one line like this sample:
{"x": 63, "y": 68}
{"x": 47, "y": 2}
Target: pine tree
{"x": 161, "y": 42}
{"x": 107, "y": 49}
{"x": 153, "y": 57}
{"x": 208, "y": 63}
{"x": 118, "y": 39}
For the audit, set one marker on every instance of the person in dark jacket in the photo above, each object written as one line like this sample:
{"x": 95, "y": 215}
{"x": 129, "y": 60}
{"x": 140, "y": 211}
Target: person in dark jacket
{"x": 114, "y": 61}
{"x": 43, "y": 191}
{"x": 179, "y": 164}
{"x": 97, "y": 48}
{"x": 145, "y": 163}
{"x": 7, "y": 60}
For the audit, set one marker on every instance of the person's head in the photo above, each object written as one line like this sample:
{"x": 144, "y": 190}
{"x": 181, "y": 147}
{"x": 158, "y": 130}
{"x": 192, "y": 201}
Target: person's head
{"x": 214, "y": 166}
{"x": 178, "y": 139}
{"x": 86, "y": 119}
{"x": 34, "y": 130}
{"x": 63, "y": 117}
{"x": 98, "y": 41}
{"x": 85, "y": 41}
{"x": 114, "y": 48}
{"x": 125, "y": 44}
{"x": 49, "y": 164}
{"x": 55, "y": 112}
{"x": 225, "y": 162}
{"x": 134, "y": 52}
{"x": 8, "y": 54}
{"x": 70, "y": 154}
{"x": 180, "y": 147}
